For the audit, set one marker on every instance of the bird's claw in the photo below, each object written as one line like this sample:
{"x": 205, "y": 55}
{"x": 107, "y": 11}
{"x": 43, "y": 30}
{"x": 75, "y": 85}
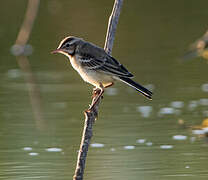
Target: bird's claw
{"x": 96, "y": 91}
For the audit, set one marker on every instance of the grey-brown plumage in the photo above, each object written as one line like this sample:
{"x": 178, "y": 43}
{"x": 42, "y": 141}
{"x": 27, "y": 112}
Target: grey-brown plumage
{"x": 95, "y": 66}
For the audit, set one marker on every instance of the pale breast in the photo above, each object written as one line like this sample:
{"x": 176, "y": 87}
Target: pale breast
{"x": 75, "y": 64}
{"x": 91, "y": 76}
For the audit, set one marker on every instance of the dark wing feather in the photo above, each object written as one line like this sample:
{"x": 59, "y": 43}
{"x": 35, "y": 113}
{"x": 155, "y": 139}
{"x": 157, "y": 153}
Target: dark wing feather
{"x": 107, "y": 65}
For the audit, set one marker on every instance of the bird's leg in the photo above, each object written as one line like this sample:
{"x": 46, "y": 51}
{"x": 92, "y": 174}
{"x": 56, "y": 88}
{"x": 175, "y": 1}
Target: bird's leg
{"x": 97, "y": 95}
{"x": 96, "y": 91}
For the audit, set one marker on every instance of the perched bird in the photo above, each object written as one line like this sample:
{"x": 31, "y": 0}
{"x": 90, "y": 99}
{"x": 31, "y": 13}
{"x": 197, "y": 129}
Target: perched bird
{"x": 95, "y": 66}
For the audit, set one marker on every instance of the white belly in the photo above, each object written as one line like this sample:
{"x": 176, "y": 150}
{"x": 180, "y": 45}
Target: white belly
{"x": 91, "y": 76}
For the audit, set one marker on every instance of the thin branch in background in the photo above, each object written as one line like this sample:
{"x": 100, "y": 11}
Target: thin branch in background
{"x": 21, "y": 49}
{"x": 27, "y": 25}
{"x": 91, "y": 115}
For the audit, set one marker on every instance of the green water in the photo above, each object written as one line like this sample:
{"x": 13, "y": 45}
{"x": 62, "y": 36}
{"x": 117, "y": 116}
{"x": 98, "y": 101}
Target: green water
{"x": 137, "y": 136}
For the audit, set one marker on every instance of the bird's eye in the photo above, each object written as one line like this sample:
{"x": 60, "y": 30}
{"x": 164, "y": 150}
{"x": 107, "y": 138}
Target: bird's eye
{"x": 67, "y": 45}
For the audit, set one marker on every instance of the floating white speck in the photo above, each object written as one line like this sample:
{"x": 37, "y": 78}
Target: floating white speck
{"x": 166, "y": 110}
{"x": 203, "y": 102}
{"x": 144, "y": 110}
{"x": 17, "y": 50}
{"x": 192, "y": 139}
{"x": 97, "y": 145}
{"x": 141, "y": 141}
{"x": 205, "y": 130}
{"x": 113, "y": 149}
{"x": 53, "y": 149}
{"x": 179, "y": 137}
{"x": 192, "y": 105}
{"x": 33, "y": 154}
{"x": 198, "y": 131}
{"x": 177, "y": 104}
{"x": 111, "y": 91}
{"x": 27, "y": 148}
{"x": 187, "y": 167}
{"x": 204, "y": 87}
{"x": 166, "y": 146}
{"x": 149, "y": 143}
{"x": 14, "y": 73}
{"x": 129, "y": 147}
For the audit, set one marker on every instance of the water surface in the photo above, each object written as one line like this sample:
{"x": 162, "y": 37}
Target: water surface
{"x": 133, "y": 138}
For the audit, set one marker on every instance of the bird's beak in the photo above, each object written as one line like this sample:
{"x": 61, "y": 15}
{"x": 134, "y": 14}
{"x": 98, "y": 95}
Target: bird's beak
{"x": 56, "y": 51}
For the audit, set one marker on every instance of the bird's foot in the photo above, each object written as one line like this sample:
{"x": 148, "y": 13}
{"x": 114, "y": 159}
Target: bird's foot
{"x": 95, "y": 92}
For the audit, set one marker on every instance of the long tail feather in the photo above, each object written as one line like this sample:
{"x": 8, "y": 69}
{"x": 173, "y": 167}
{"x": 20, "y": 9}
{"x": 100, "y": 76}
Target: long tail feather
{"x": 137, "y": 87}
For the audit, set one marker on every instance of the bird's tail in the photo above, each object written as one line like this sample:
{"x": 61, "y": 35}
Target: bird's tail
{"x": 137, "y": 87}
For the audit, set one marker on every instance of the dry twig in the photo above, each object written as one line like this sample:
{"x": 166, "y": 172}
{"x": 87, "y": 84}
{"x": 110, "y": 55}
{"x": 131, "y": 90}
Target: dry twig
{"x": 91, "y": 115}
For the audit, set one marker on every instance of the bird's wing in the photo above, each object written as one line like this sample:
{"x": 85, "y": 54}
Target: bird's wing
{"x": 106, "y": 64}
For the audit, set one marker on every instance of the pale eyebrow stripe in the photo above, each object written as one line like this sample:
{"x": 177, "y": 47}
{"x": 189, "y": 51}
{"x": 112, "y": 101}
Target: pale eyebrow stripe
{"x": 70, "y": 41}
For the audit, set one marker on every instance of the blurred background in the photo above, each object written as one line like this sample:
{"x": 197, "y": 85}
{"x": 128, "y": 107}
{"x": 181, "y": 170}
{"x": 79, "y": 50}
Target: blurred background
{"x": 42, "y": 98}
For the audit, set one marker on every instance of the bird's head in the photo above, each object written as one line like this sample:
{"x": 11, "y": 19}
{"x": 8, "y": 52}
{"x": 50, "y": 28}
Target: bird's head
{"x": 67, "y": 46}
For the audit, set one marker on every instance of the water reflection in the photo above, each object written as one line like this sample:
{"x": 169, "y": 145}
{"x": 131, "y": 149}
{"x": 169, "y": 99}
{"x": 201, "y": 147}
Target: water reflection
{"x": 129, "y": 147}
{"x": 97, "y": 145}
{"x": 54, "y": 149}
{"x": 27, "y": 149}
{"x": 166, "y": 146}
{"x": 33, "y": 154}
{"x": 141, "y": 141}
{"x": 145, "y": 111}
{"x": 179, "y": 137}
{"x": 177, "y": 104}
